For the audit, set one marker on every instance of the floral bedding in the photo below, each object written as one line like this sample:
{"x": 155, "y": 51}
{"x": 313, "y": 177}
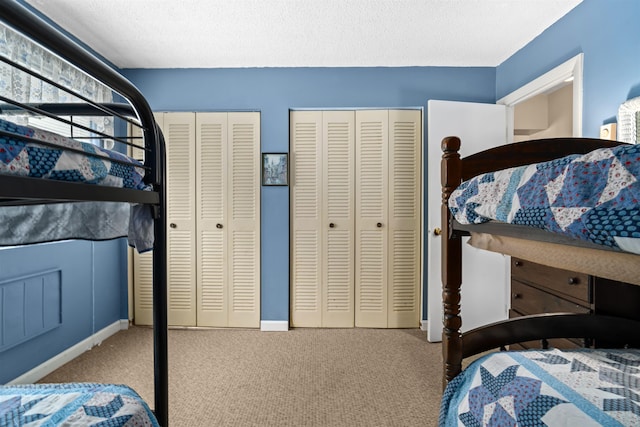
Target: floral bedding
{"x": 546, "y": 388}
{"x": 73, "y": 404}
{"x": 592, "y": 197}
{"x": 86, "y": 220}
{"x": 26, "y": 158}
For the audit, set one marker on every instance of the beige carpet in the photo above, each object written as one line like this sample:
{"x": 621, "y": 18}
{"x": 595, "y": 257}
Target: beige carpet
{"x": 303, "y": 377}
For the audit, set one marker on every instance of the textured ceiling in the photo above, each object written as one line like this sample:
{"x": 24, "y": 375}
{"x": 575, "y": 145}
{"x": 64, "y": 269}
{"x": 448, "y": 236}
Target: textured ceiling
{"x": 304, "y": 33}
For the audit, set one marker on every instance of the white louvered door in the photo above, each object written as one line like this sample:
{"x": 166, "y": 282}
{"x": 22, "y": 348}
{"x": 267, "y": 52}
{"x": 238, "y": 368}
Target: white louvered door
{"x": 243, "y": 234}
{"x": 337, "y": 219}
{"x": 179, "y": 133}
{"x": 212, "y": 256}
{"x": 355, "y": 218}
{"x": 141, "y": 282}
{"x": 322, "y": 145}
{"x": 372, "y": 144}
{"x": 404, "y": 218}
{"x": 214, "y": 224}
{"x": 306, "y": 203}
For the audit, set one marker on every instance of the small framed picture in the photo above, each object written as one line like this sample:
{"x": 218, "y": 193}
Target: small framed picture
{"x": 275, "y": 169}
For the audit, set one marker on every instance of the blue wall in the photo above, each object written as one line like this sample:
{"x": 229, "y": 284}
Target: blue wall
{"x": 608, "y": 33}
{"x": 273, "y": 92}
{"x": 86, "y": 295}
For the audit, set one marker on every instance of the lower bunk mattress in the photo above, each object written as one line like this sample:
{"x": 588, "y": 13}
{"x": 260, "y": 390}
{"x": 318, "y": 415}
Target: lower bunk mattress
{"x": 73, "y": 404}
{"x": 554, "y": 387}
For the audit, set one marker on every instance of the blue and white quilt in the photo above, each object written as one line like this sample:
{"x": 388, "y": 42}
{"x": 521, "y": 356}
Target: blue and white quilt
{"x": 546, "y": 388}
{"x": 86, "y": 220}
{"x": 593, "y": 197}
{"x": 73, "y": 404}
{"x": 18, "y": 157}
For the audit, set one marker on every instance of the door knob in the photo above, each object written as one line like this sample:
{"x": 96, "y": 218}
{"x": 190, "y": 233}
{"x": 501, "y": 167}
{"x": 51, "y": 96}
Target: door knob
{"x": 379, "y": 225}
{"x": 437, "y": 231}
{"x": 218, "y": 225}
{"x": 331, "y": 225}
{"x": 172, "y": 225}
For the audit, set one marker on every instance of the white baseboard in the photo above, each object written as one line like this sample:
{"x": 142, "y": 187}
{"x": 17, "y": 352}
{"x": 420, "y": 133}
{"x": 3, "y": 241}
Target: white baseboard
{"x": 423, "y": 325}
{"x": 274, "y": 325}
{"x": 69, "y": 354}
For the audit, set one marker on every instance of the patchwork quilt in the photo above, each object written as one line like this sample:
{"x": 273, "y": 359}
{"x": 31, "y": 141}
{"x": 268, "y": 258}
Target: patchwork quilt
{"x": 592, "y": 197}
{"x": 546, "y": 388}
{"x": 25, "y": 158}
{"x": 89, "y": 220}
{"x": 73, "y": 404}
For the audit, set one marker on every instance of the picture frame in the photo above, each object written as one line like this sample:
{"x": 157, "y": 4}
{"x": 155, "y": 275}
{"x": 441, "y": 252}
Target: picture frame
{"x": 275, "y": 169}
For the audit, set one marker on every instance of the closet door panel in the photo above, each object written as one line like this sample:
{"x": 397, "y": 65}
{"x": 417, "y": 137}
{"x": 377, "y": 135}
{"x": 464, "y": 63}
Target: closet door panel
{"x": 405, "y": 130}
{"x": 372, "y": 140}
{"x": 338, "y": 218}
{"x": 306, "y": 212}
{"x": 179, "y": 132}
{"x": 244, "y": 219}
{"x": 211, "y": 148}
{"x": 141, "y": 268}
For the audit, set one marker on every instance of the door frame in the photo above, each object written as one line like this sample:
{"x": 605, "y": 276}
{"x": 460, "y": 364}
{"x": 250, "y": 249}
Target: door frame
{"x": 565, "y": 73}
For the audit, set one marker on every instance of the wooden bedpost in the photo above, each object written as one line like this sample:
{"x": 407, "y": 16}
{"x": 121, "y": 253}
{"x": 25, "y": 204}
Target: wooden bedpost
{"x": 451, "y": 172}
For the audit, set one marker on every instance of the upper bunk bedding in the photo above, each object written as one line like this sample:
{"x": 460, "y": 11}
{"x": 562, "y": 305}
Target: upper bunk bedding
{"x": 23, "y": 152}
{"x": 36, "y": 153}
{"x": 591, "y": 197}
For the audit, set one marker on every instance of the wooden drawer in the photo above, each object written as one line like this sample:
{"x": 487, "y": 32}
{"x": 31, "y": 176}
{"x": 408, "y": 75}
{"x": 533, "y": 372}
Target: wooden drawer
{"x": 555, "y": 280}
{"x": 530, "y": 300}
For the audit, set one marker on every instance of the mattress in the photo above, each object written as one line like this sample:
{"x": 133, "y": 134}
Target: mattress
{"x": 73, "y": 404}
{"x": 614, "y": 265}
{"x": 546, "y": 388}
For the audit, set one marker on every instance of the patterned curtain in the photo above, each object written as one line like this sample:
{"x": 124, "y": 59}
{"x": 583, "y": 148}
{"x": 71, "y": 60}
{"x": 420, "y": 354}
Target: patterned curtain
{"x": 20, "y": 86}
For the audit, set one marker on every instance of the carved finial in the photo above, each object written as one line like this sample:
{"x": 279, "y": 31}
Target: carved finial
{"x": 450, "y": 143}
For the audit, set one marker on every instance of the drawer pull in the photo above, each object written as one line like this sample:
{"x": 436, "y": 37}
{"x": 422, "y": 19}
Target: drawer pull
{"x": 517, "y": 263}
{"x": 516, "y": 296}
{"x": 573, "y": 281}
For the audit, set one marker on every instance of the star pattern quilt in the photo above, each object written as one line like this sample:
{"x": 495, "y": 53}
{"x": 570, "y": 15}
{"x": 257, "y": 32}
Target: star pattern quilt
{"x": 546, "y": 388}
{"x": 592, "y": 197}
{"x": 25, "y": 158}
{"x": 73, "y": 404}
{"x": 89, "y": 220}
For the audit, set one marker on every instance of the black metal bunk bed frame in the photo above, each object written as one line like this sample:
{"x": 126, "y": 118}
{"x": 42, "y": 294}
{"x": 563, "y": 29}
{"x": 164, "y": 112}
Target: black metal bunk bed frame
{"x": 24, "y": 190}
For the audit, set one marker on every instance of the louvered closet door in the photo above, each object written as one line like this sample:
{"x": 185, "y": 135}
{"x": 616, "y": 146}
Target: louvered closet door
{"x": 322, "y": 145}
{"x": 405, "y": 136}
{"x": 244, "y": 219}
{"x": 306, "y": 150}
{"x": 179, "y": 132}
{"x": 142, "y": 264}
{"x": 372, "y": 142}
{"x": 211, "y": 207}
{"x": 337, "y": 225}
{"x": 228, "y": 218}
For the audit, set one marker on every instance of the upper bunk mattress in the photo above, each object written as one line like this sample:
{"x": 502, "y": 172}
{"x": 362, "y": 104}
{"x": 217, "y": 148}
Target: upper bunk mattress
{"x": 20, "y": 156}
{"x": 592, "y": 197}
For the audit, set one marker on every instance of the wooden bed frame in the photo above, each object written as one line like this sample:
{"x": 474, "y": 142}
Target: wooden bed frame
{"x": 456, "y": 345}
{"x": 23, "y": 190}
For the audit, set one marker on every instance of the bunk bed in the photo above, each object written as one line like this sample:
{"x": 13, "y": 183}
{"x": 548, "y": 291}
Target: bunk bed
{"x": 43, "y": 174}
{"x": 491, "y": 196}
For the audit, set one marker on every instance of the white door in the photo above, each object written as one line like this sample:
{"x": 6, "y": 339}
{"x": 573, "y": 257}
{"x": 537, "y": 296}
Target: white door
{"x": 484, "y": 299}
